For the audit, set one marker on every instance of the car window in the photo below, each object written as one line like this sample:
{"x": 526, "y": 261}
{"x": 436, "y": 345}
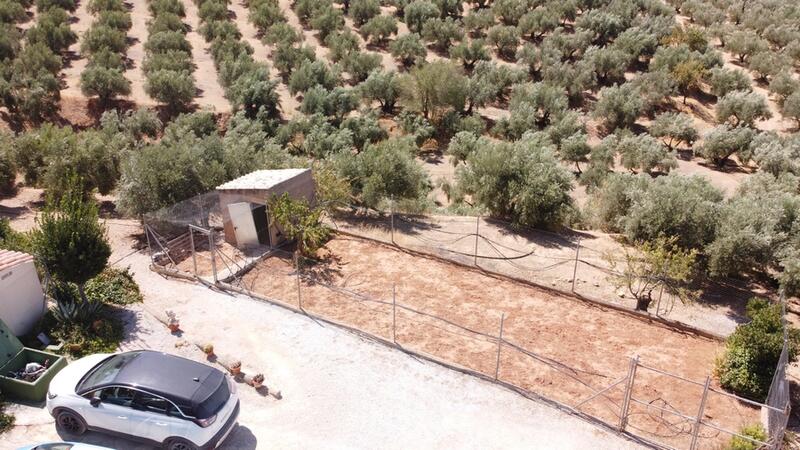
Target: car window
{"x": 117, "y": 396}
{"x": 106, "y": 371}
{"x": 155, "y": 404}
{"x": 54, "y": 446}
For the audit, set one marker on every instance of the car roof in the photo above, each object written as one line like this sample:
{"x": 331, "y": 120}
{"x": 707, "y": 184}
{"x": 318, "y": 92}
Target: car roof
{"x": 183, "y": 381}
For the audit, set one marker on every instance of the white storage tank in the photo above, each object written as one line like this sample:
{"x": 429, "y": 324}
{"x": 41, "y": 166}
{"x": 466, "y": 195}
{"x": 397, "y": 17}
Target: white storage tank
{"x": 22, "y": 301}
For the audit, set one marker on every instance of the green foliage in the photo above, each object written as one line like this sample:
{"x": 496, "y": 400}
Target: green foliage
{"x": 172, "y": 60}
{"x": 442, "y": 32}
{"x": 175, "y": 89}
{"x": 104, "y": 83}
{"x": 783, "y": 85}
{"x": 674, "y": 206}
{"x": 470, "y": 52}
{"x": 409, "y": 49}
{"x": 327, "y": 20}
{"x": 360, "y": 64}
{"x": 383, "y": 87}
{"x": 752, "y": 351}
{"x": 311, "y": 74}
{"x": 383, "y": 171}
{"x": 188, "y": 161}
{"x": 652, "y": 266}
{"x": 163, "y": 41}
{"x": 434, "y": 89}
{"x": 505, "y": 38}
{"x": 618, "y": 106}
{"x": 744, "y": 44}
{"x": 115, "y": 286}
{"x": 378, "y": 29}
{"x": 674, "y": 129}
{"x": 509, "y": 11}
{"x": 101, "y": 335}
{"x": 417, "y": 13}
{"x": 755, "y": 226}
{"x": 52, "y": 29}
{"x": 101, "y": 37}
{"x": 739, "y": 108}
{"x": 300, "y": 222}
{"x": 342, "y": 44}
{"x": 8, "y": 168}
{"x": 70, "y": 242}
{"x": 363, "y": 10}
{"x": 723, "y": 141}
{"x": 791, "y": 107}
{"x": 6, "y": 419}
{"x": 535, "y": 105}
{"x": 520, "y": 181}
{"x": 120, "y": 20}
{"x": 462, "y": 145}
{"x": 755, "y": 431}
{"x": 641, "y": 152}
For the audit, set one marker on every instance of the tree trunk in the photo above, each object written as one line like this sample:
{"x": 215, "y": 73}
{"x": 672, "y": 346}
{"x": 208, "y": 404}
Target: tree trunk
{"x": 642, "y": 303}
{"x": 82, "y": 292}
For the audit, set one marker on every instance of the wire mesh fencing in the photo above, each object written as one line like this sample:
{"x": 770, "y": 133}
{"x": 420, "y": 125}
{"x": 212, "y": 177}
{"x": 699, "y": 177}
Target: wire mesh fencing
{"x": 646, "y": 402}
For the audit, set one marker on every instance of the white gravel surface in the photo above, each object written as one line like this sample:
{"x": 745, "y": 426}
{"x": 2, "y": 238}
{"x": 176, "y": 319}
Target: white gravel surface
{"x": 338, "y": 390}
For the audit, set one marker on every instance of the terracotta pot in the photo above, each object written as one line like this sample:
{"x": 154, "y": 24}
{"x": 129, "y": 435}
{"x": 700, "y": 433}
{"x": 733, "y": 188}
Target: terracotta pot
{"x": 174, "y": 326}
{"x": 257, "y": 384}
{"x": 235, "y": 370}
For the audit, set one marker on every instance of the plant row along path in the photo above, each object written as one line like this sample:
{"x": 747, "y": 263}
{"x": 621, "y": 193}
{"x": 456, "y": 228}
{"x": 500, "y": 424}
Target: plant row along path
{"x": 77, "y": 60}
{"x": 136, "y": 54}
{"x": 210, "y": 93}
{"x": 31, "y": 66}
{"x": 261, "y": 54}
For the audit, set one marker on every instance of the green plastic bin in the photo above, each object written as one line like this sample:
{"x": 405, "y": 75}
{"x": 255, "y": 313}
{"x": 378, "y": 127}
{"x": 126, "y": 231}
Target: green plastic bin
{"x": 13, "y": 357}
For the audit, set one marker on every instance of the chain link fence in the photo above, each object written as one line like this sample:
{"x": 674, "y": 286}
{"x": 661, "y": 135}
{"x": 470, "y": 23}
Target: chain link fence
{"x": 645, "y": 402}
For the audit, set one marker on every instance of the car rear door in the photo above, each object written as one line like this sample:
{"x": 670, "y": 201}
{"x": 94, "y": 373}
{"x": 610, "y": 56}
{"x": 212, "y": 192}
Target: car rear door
{"x": 157, "y": 418}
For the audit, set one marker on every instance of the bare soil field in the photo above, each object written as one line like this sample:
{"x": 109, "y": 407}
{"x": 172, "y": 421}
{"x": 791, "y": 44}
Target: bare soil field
{"x": 210, "y": 93}
{"x": 566, "y": 349}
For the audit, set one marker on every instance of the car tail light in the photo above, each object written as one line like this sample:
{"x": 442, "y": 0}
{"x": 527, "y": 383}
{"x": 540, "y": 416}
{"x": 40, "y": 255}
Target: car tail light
{"x": 206, "y": 422}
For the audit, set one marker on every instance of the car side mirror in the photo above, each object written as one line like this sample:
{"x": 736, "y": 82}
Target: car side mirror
{"x": 94, "y": 401}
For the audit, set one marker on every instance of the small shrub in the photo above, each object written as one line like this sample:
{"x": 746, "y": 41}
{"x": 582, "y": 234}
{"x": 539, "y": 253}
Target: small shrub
{"x": 755, "y": 431}
{"x": 752, "y": 351}
{"x": 114, "y": 286}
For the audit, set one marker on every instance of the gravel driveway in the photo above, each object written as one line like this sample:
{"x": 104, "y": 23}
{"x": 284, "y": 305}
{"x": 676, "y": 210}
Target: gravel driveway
{"x": 338, "y": 390}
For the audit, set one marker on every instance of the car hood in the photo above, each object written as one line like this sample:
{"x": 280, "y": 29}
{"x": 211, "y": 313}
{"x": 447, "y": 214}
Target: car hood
{"x": 65, "y": 381}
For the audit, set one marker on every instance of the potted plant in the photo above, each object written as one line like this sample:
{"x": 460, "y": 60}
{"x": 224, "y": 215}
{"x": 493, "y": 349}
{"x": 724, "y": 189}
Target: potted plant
{"x": 172, "y": 322}
{"x": 235, "y": 368}
{"x": 208, "y": 349}
{"x": 258, "y": 380}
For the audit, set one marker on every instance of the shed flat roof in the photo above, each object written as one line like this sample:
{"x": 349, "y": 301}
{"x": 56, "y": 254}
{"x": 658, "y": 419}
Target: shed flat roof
{"x": 9, "y": 259}
{"x": 262, "y": 179}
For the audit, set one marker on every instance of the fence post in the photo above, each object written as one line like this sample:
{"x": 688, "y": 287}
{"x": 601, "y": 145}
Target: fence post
{"x": 149, "y": 246}
{"x": 212, "y": 248}
{"x": 626, "y": 402}
{"x": 575, "y": 269}
{"x": 499, "y": 345}
{"x": 297, "y": 277}
{"x": 394, "y": 313}
{"x": 194, "y": 257}
{"x": 477, "y": 234}
{"x": 391, "y": 214}
{"x": 699, "y": 419}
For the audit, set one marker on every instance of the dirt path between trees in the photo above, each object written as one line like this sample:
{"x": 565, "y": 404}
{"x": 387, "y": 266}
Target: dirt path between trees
{"x": 262, "y": 53}
{"x": 77, "y": 61}
{"x": 211, "y": 95}
{"x": 138, "y": 35}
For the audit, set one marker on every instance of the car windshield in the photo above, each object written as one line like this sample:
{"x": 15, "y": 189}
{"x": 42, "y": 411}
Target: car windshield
{"x": 106, "y": 371}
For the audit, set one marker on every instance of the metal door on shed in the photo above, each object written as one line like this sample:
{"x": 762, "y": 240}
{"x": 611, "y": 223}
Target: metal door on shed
{"x": 243, "y": 224}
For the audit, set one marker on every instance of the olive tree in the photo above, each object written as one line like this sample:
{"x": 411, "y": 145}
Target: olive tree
{"x": 363, "y": 10}
{"x": 739, "y": 108}
{"x": 618, "y": 106}
{"x": 521, "y": 181}
{"x": 723, "y": 81}
{"x": 105, "y": 83}
{"x": 409, "y": 49}
{"x": 176, "y": 89}
{"x": 383, "y": 87}
{"x": 435, "y": 88}
{"x": 442, "y": 32}
{"x": 641, "y": 152}
{"x": 674, "y": 129}
{"x": 417, "y": 13}
{"x": 723, "y": 141}
{"x": 379, "y": 29}
{"x": 505, "y": 39}
{"x": 470, "y": 52}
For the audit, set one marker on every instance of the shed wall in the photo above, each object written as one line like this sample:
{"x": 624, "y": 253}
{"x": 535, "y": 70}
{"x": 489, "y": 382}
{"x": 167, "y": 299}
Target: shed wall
{"x": 21, "y": 297}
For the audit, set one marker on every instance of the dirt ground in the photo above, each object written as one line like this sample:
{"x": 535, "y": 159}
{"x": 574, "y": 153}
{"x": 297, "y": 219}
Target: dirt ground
{"x": 569, "y": 345}
{"x": 338, "y": 391}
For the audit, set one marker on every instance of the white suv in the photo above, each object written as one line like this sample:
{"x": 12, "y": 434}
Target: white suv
{"x": 161, "y": 399}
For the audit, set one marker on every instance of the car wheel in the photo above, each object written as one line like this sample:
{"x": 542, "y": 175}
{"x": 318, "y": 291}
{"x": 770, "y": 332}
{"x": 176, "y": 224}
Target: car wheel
{"x": 70, "y": 422}
{"x": 179, "y": 444}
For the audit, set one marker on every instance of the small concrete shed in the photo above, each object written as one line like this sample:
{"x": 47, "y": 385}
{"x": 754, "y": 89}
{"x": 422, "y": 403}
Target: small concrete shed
{"x": 22, "y": 301}
{"x": 243, "y": 203}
